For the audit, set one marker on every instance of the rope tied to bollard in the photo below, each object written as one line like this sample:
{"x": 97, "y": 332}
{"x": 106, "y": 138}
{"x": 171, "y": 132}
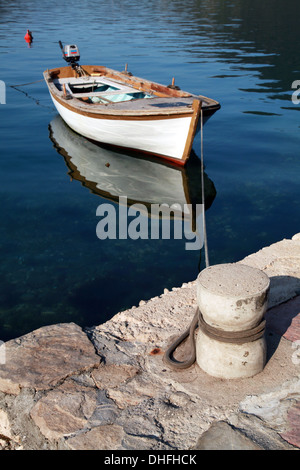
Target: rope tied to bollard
{"x": 190, "y": 332}
{"x": 233, "y": 337}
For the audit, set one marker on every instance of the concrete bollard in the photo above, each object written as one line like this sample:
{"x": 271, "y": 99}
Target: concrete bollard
{"x": 232, "y": 299}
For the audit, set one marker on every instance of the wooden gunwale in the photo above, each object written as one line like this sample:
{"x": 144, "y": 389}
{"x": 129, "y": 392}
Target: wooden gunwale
{"x": 121, "y": 115}
{"x": 126, "y": 111}
{"x": 136, "y": 82}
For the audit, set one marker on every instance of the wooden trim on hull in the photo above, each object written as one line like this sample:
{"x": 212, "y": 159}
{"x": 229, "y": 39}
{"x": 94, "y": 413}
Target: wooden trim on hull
{"x": 192, "y": 130}
{"x": 118, "y": 116}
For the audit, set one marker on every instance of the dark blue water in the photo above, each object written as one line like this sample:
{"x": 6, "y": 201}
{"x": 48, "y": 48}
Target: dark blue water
{"x": 243, "y": 53}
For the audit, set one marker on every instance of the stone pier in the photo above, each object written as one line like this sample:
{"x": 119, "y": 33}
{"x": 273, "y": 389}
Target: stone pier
{"x": 108, "y": 388}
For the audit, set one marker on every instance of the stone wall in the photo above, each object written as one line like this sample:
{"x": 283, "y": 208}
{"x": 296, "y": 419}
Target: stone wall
{"x": 107, "y": 387}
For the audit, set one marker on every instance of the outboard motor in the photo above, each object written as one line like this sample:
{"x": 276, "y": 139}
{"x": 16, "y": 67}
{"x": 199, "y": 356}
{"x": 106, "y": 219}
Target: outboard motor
{"x": 70, "y": 53}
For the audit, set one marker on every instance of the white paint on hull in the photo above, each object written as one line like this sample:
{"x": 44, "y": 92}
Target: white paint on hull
{"x": 162, "y": 137}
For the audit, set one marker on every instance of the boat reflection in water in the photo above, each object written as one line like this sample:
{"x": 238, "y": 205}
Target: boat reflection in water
{"x": 118, "y": 177}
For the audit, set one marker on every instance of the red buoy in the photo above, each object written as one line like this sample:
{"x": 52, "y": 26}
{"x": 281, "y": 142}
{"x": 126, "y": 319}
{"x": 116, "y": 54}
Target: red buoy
{"x": 28, "y": 37}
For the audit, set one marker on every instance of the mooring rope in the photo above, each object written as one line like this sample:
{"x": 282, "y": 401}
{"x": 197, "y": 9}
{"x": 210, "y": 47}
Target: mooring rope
{"x": 203, "y": 193}
{"x": 24, "y": 84}
{"x": 16, "y": 87}
{"x": 190, "y": 332}
{"x": 233, "y": 337}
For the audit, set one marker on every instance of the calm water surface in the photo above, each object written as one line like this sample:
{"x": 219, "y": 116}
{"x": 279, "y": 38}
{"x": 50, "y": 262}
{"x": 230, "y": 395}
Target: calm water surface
{"x": 243, "y": 53}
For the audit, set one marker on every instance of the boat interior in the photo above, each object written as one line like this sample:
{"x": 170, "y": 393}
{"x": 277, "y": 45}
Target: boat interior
{"x": 99, "y": 90}
{"x": 102, "y": 85}
{"x": 99, "y": 85}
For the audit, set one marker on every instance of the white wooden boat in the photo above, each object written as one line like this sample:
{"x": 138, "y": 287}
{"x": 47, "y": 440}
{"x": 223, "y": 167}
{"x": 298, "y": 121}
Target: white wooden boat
{"x": 122, "y": 110}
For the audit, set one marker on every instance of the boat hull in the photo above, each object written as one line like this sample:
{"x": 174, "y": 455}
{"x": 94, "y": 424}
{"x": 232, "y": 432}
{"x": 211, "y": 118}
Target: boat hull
{"x": 164, "y": 137}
